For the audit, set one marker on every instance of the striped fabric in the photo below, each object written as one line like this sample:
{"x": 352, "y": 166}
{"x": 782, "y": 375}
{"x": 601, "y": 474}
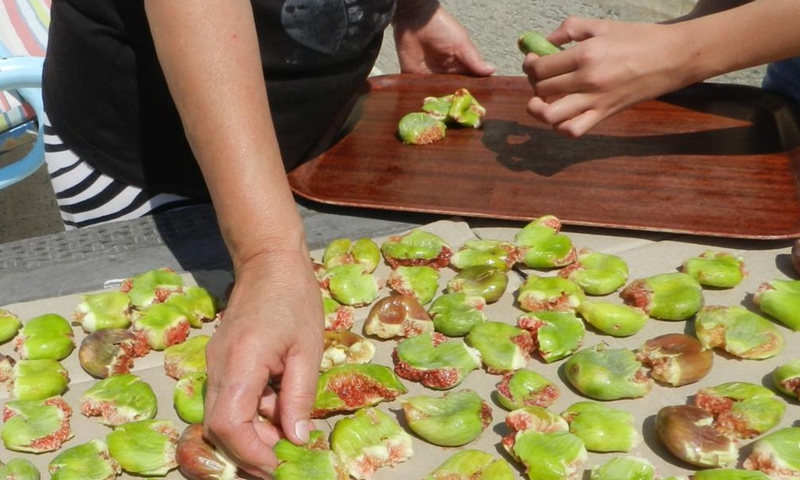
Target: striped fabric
{"x": 86, "y": 196}
{"x": 23, "y": 31}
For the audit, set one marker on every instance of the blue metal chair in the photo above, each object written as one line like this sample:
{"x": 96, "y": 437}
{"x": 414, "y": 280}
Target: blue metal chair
{"x": 23, "y": 74}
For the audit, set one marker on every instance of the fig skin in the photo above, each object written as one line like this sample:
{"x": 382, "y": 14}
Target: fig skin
{"x": 672, "y": 296}
{"x": 716, "y": 269}
{"x": 676, "y": 358}
{"x": 786, "y": 378}
{"x": 111, "y": 351}
{"x": 199, "y": 459}
{"x": 601, "y": 427}
{"x": 9, "y": 325}
{"x": 604, "y": 373}
{"x": 482, "y": 280}
{"x": 688, "y": 433}
{"x": 775, "y": 454}
{"x": 796, "y": 255}
{"x": 542, "y": 246}
{"x": 397, "y": 316}
{"x": 453, "y": 420}
{"x": 472, "y": 464}
{"x": 738, "y": 331}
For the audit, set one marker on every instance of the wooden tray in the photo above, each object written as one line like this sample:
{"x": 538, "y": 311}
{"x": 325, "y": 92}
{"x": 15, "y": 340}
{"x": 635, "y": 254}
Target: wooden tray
{"x": 718, "y": 160}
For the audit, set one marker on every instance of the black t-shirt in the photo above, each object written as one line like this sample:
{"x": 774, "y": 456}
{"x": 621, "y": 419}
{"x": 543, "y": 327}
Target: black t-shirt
{"x": 106, "y": 96}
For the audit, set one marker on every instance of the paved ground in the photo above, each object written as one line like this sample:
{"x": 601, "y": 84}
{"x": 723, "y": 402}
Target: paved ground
{"x": 28, "y": 208}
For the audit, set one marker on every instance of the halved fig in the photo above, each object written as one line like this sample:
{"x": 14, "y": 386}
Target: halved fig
{"x": 197, "y": 303}
{"x": 103, "y": 310}
{"x": 494, "y": 253}
{"x": 688, "y": 432}
{"x": 19, "y": 469}
{"x": 524, "y": 388}
{"x": 145, "y": 447}
{"x": 38, "y": 379}
{"x": 537, "y": 419}
{"x": 187, "y": 357}
{"x": 555, "y": 335}
{"x": 369, "y": 440}
{"x": 787, "y": 378}
{"x": 188, "y": 397}
{"x": 741, "y": 409}
{"x": 162, "y": 325}
{"x": 344, "y": 347}
{"x": 667, "y": 296}
{"x": 434, "y": 360}
{"x": 87, "y": 461}
{"x": 481, "y": 280}
{"x": 549, "y": 455}
{"x": 420, "y": 282}
{"x": 612, "y": 318}
{"x": 624, "y": 468}
{"x": 780, "y": 299}
{"x": 437, "y": 107}
{"x": 338, "y": 317}
{"x": 472, "y": 464}
{"x": 543, "y": 246}
{"x": 36, "y": 425}
{"x": 397, "y": 316}
{"x": 343, "y": 251}
{"x": 199, "y": 459}
{"x": 47, "y": 336}
{"x": 454, "y": 314}
{"x": 347, "y": 388}
{"x": 465, "y": 110}
{"x": 419, "y": 128}
{"x": 453, "y": 420}
{"x": 716, "y": 269}
{"x": 9, "y": 325}
{"x": 351, "y": 285}
{"x": 417, "y": 247}
{"x": 312, "y": 461}
{"x": 601, "y": 427}
{"x": 676, "y": 358}
{"x": 120, "y": 399}
{"x": 596, "y": 273}
{"x": 738, "y": 331}
{"x": 604, "y": 373}
{"x": 111, "y": 351}
{"x": 543, "y": 294}
{"x": 775, "y": 454}
{"x": 503, "y": 347}
{"x": 153, "y": 286}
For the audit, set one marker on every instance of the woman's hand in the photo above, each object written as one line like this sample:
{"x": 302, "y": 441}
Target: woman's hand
{"x": 434, "y": 42}
{"x": 271, "y": 330}
{"x": 273, "y": 325}
{"x": 613, "y": 66}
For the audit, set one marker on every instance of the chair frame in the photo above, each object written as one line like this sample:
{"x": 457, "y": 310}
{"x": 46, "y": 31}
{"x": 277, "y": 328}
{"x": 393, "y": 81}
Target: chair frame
{"x": 24, "y": 74}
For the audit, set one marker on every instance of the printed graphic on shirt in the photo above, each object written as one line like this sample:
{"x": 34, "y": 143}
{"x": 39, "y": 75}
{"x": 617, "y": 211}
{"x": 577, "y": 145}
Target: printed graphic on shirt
{"x": 336, "y": 26}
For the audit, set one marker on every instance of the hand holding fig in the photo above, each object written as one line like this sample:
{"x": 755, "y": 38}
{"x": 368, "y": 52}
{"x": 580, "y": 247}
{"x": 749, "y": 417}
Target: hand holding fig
{"x": 272, "y": 329}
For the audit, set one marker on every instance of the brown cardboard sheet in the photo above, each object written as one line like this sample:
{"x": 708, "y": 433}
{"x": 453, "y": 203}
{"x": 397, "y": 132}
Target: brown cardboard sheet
{"x": 646, "y": 255}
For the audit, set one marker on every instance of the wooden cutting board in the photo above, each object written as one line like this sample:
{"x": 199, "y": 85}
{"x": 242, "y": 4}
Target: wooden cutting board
{"x": 712, "y": 159}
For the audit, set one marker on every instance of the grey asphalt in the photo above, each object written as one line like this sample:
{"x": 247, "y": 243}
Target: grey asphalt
{"x": 28, "y": 209}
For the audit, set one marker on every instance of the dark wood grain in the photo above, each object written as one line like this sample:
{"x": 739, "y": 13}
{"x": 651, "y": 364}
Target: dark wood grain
{"x": 719, "y": 160}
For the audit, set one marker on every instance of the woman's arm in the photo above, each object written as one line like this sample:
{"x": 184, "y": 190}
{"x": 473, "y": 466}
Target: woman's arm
{"x": 209, "y": 52}
{"x": 615, "y": 65}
